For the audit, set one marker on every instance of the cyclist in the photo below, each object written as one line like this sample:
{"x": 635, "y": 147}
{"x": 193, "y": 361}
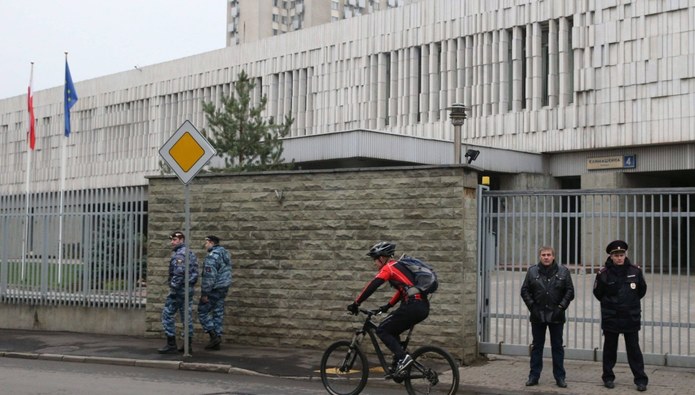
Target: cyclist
{"x": 412, "y": 310}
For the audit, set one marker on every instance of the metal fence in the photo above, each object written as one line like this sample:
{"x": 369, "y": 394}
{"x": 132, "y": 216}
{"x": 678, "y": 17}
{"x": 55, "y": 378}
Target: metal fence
{"x": 659, "y": 226}
{"x": 83, "y": 248}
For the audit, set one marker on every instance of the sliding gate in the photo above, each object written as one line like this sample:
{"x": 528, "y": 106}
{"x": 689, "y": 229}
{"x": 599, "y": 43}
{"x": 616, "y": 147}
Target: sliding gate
{"x": 658, "y": 225}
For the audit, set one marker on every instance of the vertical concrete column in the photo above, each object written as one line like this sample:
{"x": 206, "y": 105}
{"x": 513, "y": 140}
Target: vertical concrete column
{"x": 424, "y": 83}
{"x": 395, "y": 89}
{"x": 319, "y": 100}
{"x": 495, "y": 77}
{"x": 280, "y": 95}
{"x": 536, "y": 66}
{"x": 528, "y": 82}
{"x": 460, "y": 71}
{"x": 381, "y": 90}
{"x": 413, "y": 86}
{"x": 301, "y": 105}
{"x": 504, "y": 73}
{"x": 295, "y": 102}
{"x": 310, "y": 109}
{"x": 468, "y": 78}
{"x": 486, "y": 65}
{"x": 477, "y": 107}
{"x": 404, "y": 86}
{"x": 517, "y": 69}
{"x": 287, "y": 102}
{"x": 553, "y": 63}
{"x": 452, "y": 76}
{"x": 433, "y": 87}
{"x": 564, "y": 62}
{"x": 372, "y": 90}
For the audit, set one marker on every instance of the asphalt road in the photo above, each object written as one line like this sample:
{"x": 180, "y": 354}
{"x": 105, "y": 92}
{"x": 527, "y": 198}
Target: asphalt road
{"x": 33, "y": 377}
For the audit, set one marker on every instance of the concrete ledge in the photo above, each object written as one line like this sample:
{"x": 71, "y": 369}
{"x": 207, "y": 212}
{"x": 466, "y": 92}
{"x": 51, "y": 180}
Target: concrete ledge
{"x": 204, "y": 367}
{"x": 111, "y": 361}
{"x": 79, "y": 319}
{"x": 51, "y": 357}
{"x": 23, "y": 355}
{"x": 158, "y": 364}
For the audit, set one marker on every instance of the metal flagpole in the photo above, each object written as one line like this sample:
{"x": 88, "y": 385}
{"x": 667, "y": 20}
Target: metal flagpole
{"x": 63, "y": 163}
{"x": 60, "y": 216}
{"x": 30, "y": 149}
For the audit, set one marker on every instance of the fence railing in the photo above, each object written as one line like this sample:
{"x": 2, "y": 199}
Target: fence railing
{"x": 659, "y": 226}
{"x": 83, "y": 248}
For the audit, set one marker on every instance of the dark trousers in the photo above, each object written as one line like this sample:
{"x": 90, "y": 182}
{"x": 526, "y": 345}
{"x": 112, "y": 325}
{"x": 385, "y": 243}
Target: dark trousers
{"x": 558, "y": 352}
{"x": 634, "y": 356}
{"x": 407, "y": 315}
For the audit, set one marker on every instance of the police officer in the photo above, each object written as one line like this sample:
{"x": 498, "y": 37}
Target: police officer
{"x": 547, "y": 292}
{"x": 175, "y": 301}
{"x": 214, "y": 285}
{"x": 620, "y": 286}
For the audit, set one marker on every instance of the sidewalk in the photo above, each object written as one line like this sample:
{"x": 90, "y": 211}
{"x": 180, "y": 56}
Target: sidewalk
{"x": 500, "y": 374}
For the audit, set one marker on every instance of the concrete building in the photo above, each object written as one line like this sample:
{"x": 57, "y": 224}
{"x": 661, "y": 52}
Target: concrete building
{"x": 559, "y": 94}
{"x": 253, "y": 20}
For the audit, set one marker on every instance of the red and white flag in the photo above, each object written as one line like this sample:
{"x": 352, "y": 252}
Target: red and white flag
{"x": 31, "y": 133}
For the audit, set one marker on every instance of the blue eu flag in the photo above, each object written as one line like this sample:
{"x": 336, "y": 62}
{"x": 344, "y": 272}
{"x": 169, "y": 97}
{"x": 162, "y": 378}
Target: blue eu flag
{"x": 70, "y": 97}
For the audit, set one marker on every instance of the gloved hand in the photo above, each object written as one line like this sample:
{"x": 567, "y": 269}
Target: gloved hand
{"x": 353, "y": 308}
{"x": 384, "y": 308}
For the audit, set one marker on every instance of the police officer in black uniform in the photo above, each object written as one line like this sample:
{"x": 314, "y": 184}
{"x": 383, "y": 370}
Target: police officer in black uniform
{"x": 619, "y": 286}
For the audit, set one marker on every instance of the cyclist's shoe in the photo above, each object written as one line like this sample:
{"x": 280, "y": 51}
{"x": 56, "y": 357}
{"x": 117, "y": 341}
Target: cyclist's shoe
{"x": 403, "y": 364}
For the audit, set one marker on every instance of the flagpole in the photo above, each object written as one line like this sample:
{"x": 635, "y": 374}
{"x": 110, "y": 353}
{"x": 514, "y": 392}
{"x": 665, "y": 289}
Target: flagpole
{"x": 63, "y": 162}
{"x": 69, "y": 97}
{"x": 60, "y": 217}
{"x": 30, "y": 148}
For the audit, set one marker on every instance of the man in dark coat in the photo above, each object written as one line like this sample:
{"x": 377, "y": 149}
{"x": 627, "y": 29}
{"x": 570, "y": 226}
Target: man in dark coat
{"x": 547, "y": 292}
{"x": 620, "y": 286}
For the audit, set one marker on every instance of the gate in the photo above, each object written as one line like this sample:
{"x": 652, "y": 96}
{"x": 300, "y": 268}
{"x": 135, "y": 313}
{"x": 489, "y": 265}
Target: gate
{"x": 658, "y": 225}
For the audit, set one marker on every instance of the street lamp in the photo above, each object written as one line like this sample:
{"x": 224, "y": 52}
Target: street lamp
{"x": 457, "y": 115}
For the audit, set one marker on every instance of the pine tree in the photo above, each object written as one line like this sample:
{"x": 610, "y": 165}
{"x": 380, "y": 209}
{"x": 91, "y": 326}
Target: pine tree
{"x": 242, "y": 137}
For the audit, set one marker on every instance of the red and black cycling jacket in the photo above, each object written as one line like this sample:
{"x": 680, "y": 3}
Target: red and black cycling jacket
{"x": 398, "y": 276}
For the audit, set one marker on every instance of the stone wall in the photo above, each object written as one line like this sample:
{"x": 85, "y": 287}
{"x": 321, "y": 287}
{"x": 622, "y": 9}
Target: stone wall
{"x": 298, "y": 242}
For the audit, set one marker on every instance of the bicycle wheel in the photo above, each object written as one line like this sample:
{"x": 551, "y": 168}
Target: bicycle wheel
{"x": 433, "y": 371}
{"x": 344, "y": 369}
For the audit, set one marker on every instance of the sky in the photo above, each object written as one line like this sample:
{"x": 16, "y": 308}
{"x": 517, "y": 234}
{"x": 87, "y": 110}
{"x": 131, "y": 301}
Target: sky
{"x": 101, "y": 37}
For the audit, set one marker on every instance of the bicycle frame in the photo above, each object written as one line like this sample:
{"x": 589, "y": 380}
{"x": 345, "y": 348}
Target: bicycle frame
{"x": 369, "y": 328}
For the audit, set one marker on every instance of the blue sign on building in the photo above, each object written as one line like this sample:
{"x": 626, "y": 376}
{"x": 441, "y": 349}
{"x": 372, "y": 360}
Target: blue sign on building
{"x": 629, "y": 161}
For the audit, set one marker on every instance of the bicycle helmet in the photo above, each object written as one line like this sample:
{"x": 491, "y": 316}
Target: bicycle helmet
{"x": 382, "y": 248}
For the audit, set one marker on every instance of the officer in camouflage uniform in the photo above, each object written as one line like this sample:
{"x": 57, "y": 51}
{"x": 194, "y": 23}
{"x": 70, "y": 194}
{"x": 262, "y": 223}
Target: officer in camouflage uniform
{"x": 216, "y": 279}
{"x": 177, "y": 292}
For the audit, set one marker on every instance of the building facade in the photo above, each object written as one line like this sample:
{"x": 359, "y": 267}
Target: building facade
{"x": 253, "y": 20}
{"x": 558, "y": 94}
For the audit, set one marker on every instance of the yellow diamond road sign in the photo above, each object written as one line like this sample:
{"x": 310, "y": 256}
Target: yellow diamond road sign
{"x": 186, "y": 152}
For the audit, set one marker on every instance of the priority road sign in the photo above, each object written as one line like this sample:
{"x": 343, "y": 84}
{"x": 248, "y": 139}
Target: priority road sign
{"x": 187, "y": 151}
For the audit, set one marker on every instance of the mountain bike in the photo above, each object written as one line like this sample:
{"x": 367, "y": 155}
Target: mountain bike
{"x": 345, "y": 370}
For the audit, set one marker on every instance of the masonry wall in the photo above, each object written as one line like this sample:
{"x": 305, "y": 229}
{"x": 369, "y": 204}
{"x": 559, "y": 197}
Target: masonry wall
{"x": 298, "y": 242}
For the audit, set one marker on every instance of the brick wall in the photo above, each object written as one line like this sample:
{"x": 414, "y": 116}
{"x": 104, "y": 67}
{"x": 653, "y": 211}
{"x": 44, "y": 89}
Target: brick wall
{"x": 298, "y": 242}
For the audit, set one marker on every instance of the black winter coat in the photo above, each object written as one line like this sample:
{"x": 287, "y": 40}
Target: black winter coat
{"x": 619, "y": 289}
{"x": 547, "y": 292}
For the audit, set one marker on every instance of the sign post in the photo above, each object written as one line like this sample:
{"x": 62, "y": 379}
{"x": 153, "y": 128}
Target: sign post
{"x": 186, "y": 152}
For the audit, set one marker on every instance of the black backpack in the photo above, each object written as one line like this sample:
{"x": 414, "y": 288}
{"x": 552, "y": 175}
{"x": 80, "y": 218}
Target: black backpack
{"x": 425, "y": 277}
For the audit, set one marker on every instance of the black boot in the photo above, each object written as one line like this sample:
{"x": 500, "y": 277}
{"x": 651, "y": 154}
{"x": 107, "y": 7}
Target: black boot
{"x": 214, "y": 343}
{"x": 170, "y": 346}
{"x": 190, "y": 345}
